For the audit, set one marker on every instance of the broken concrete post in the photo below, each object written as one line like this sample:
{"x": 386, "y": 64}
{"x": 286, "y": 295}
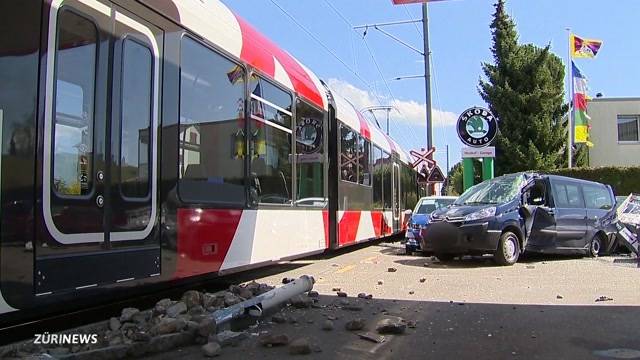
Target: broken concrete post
{"x": 257, "y": 305}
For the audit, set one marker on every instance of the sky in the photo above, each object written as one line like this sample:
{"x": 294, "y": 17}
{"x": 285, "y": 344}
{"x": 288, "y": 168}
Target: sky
{"x": 460, "y": 39}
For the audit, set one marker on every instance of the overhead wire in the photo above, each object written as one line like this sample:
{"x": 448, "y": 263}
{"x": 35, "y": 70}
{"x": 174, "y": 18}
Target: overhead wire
{"x": 324, "y": 46}
{"x": 377, "y": 65}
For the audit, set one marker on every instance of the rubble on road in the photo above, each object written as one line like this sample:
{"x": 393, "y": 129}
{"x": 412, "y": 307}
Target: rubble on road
{"x": 355, "y": 324}
{"x": 192, "y": 319}
{"x": 604, "y": 298}
{"x": 391, "y": 326}
{"x": 372, "y": 337}
{"x": 300, "y": 347}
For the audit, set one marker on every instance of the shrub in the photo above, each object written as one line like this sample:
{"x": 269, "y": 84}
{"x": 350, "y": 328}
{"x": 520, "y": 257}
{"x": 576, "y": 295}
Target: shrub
{"x": 623, "y": 180}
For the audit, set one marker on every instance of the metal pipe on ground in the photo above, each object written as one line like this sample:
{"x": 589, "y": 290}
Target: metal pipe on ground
{"x": 257, "y": 305}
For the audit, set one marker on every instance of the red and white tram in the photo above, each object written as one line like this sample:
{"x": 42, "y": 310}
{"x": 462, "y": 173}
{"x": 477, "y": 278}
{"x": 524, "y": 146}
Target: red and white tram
{"x": 148, "y": 142}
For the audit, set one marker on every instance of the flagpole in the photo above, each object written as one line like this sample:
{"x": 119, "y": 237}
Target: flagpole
{"x": 570, "y": 90}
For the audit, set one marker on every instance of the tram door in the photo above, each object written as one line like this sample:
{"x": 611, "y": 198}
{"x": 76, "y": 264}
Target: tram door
{"x": 99, "y": 161}
{"x": 395, "y": 207}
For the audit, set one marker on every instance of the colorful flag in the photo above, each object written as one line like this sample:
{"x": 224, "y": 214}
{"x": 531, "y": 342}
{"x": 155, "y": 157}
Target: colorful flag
{"x": 584, "y": 48}
{"x": 580, "y": 97}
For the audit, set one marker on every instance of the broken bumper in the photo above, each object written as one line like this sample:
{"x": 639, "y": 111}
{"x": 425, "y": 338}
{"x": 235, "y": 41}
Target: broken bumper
{"x": 459, "y": 238}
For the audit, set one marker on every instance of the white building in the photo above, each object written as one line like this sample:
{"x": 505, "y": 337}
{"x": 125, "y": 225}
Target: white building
{"x": 615, "y": 132}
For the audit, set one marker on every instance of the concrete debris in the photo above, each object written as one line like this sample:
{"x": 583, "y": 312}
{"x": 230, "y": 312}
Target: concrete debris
{"x": 392, "y": 269}
{"x": 362, "y": 296}
{"x": 380, "y": 282}
{"x": 604, "y": 298}
{"x": 176, "y": 309}
{"x": 411, "y": 324}
{"x": 391, "y": 326}
{"x": 411, "y": 292}
{"x": 229, "y": 338}
{"x": 206, "y": 327}
{"x": 353, "y": 307}
{"x": 168, "y": 326}
{"x": 327, "y": 325}
{"x": 426, "y": 264}
{"x": 355, "y": 324}
{"x": 127, "y": 314}
{"x": 313, "y": 294}
{"x": 279, "y": 318}
{"x": 300, "y": 347}
{"x": 211, "y": 349}
{"x": 372, "y": 337}
{"x": 301, "y": 302}
{"x": 192, "y": 298}
{"x": 559, "y": 297}
{"x": 270, "y": 340}
{"x": 341, "y": 294}
{"x": 530, "y": 267}
{"x": 114, "y": 324}
{"x": 336, "y": 289}
{"x": 423, "y": 280}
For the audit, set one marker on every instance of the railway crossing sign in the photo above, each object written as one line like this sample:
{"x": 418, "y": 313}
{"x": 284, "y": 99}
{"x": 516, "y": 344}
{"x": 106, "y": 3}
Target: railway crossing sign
{"x": 426, "y": 158}
{"x": 435, "y": 176}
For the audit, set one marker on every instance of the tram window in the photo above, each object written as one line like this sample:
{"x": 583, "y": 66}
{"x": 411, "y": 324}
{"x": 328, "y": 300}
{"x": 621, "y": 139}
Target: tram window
{"x": 75, "y": 71}
{"x": 211, "y": 136}
{"x": 137, "y": 66}
{"x": 364, "y": 161}
{"x": 377, "y": 177}
{"x": 348, "y": 154}
{"x": 386, "y": 186}
{"x": 270, "y": 138}
{"x": 309, "y": 155}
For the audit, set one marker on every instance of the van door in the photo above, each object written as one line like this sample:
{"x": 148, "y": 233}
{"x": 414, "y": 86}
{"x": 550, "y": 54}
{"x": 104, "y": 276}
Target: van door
{"x": 539, "y": 215}
{"x": 599, "y": 203}
{"x": 570, "y": 214}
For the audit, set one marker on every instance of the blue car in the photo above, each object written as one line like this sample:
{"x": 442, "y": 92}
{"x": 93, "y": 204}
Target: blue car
{"x": 420, "y": 217}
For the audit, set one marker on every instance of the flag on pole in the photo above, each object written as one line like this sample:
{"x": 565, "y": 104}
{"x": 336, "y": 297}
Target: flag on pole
{"x": 584, "y": 48}
{"x": 580, "y": 98}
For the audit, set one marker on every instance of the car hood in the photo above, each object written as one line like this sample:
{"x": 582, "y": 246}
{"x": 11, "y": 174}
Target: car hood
{"x": 420, "y": 219}
{"x": 458, "y": 211}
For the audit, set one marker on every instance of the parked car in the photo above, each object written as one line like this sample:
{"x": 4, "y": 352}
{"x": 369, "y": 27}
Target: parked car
{"x": 419, "y": 218}
{"x": 526, "y": 211}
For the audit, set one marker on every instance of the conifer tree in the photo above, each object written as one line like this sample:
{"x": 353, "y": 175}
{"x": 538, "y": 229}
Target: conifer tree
{"x": 524, "y": 88}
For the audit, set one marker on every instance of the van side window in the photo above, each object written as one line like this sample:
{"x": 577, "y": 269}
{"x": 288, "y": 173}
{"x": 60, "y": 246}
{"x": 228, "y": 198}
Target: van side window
{"x": 567, "y": 195}
{"x": 597, "y": 197}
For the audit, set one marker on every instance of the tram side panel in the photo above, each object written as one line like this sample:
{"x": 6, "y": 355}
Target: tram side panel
{"x": 364, "y": 179}
{"x": 19, "y": 57}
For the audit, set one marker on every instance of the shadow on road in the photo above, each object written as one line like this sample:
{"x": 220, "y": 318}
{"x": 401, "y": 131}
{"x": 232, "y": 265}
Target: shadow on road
{"x": 443, "y": 331}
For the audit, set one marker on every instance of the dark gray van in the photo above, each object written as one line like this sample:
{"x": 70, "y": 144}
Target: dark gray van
{"x": 526, "y": 211}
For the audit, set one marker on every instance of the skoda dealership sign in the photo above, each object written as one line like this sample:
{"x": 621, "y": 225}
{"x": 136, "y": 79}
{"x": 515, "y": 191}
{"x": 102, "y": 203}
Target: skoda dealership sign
{"x": 477, "y": 127}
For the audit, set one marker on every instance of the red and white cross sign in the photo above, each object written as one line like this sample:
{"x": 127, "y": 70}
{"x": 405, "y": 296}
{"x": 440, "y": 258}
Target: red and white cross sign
{"x": 426, "y": 157}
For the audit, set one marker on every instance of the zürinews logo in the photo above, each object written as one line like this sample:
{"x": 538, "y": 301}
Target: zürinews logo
{"x": 477, "y": 127}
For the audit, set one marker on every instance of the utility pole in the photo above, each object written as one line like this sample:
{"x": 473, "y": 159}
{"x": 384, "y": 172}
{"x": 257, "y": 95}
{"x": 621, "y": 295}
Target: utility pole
{"x": 427, "y": 73}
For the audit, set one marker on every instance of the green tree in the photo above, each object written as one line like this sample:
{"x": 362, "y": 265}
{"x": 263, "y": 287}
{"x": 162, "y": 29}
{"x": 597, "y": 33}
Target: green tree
{"x": 454, "y": 177}
{"x": 524, "y": 89}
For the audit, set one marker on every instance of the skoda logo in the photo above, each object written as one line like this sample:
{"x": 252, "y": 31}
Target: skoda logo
{"x": 309, "y": 135}
{"x": 477, "y": 127}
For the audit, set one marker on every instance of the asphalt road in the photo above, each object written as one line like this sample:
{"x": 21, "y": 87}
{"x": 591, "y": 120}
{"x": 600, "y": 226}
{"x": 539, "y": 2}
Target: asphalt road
{"x": 540, "y": 308}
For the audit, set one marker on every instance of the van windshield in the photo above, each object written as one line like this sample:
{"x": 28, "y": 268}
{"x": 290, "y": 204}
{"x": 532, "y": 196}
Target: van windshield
{"x": 496, "y": 191}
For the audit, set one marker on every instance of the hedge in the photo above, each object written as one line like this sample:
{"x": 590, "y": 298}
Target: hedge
{"x": 623, "y": 180}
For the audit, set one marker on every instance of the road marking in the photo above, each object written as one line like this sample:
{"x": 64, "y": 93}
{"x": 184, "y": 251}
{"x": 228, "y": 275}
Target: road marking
{"x": 368, "y": 260}
{"x": 345, "y": 269}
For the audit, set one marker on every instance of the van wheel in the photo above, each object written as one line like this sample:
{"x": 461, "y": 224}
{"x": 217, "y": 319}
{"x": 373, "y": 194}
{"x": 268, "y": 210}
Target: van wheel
{"x": 595, "y": 247}
{"x": 508, "y": 249}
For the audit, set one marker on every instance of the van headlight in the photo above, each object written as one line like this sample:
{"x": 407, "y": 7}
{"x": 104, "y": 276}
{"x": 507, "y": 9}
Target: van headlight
{"x": 481, "y": 214}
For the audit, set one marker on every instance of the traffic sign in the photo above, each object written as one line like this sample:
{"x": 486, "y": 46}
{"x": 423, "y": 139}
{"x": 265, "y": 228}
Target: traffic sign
{"x": 425, "y": 157}
{"x": 435, "y": 176}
